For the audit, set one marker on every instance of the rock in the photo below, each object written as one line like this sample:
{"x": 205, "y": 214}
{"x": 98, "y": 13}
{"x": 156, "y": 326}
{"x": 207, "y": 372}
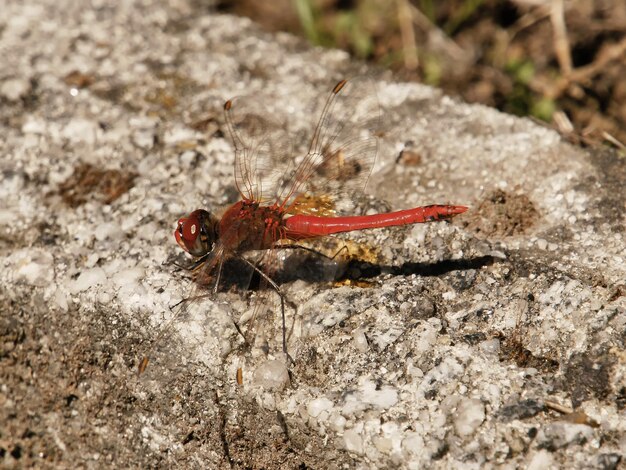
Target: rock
{"x": 557, "y": 435}
{"x": 271, "y": 375}
{"x": 439, "y": 354}
{"x": 521, "y": 410}
{"x": 470, "y": 413}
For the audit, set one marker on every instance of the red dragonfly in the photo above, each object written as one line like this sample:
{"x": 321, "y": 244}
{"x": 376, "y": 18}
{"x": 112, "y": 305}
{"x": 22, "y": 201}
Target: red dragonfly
{"x": 279, "y": 193}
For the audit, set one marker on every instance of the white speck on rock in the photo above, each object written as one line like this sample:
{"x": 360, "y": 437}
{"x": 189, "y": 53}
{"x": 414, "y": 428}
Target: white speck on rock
{"x": 318, "y": 405}
{"x": 271, "y": 375}
{"x": 384, "y": 397}
{"x": 560, "y": 434}
{"x": 14, "y": 89}
{"x": 129, "y": 277}
{"x": 178, "y": 134}
{"x": 413, "y": 443}
{"x": 491, "y": 346}
{"x": 61, "y": 300}
{"x": 87, "y": 279}
{"x": 81, "y": 130}
{"x": 360, "y": 340}
{"x": 450, "y": 295}
{"x": 34, "y": 125}
{"x": 353, "y": 441}
{"x": 107, "y": 230}
{"x": 470, "y": 413}
{"x": 542, "y": 460}
{"x": 337, "y": 422}
{"x": 35, "y": 268}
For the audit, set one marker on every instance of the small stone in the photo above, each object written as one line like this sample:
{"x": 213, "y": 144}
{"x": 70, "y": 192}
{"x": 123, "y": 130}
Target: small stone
{"x": 382, "y": 397}
{"x": 491, "y": 346}
{"x": 425, "y": 308}
{"x": 337, "y": 422}
{"x": 81, "y": 131}
{"x": 542, "y": 460}
{"x": 557, "y": 435}
{"x": 470, "y": 413}
{"x": 271, "y": 375}
{"x": 35, "y": 269}
{"x": 34, "y": 125}
{"x": 413, "y": 442}
{"x": 87, "y": 279}
{"x": 521, "y": 410}
{"x": 360, "y": 340}
{"x": 14, "y": 89}
{"x": 383, "y": 444}
{"x": 353, "y": 442}
{"x": 608, "y": 461}
{"x": 318, "y": 405}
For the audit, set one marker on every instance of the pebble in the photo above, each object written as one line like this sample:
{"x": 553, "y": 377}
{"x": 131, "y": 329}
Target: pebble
{"x": 491, "y": 346}
{"x": 318, "y": 405}
{"x": 35, "y": 268}
{"x": 556, "y": 435}
{"x": 34, "y": 125}
{"x": 542, "y": 460}
{"x": 87, "y": 279}
{"x": 353, "y": 442}
{"x": 129, "y": 277}
{"x": 360, "y": 340}
{"x": 470, "y": 413}
{"x": 81, "y": 131}
{"x": 107, "y": 230}
{"x": 14, "y": 89}
{"x": 271, "y": 375}
{"x": 521, "y": 410}
{"x": 385, "y": 397}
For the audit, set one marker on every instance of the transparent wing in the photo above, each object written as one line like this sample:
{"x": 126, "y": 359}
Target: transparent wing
{"x": 263, "y": 150}
{"x": 342, "y": 149}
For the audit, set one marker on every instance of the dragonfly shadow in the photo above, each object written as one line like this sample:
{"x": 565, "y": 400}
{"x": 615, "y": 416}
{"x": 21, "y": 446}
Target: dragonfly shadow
{"x": 443, "y": 267}
{"x": 311, "y": 267}
{"x": 366, "y": 270}
{"x": 318, "y": 269}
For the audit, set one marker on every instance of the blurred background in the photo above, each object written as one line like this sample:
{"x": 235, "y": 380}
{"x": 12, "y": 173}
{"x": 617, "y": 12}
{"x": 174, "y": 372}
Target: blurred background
{"x": 560, "y": 62}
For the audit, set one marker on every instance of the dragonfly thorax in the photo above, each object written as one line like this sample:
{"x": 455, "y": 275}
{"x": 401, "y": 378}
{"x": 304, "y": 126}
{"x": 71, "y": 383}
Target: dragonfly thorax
{"x": 248, "y": 225}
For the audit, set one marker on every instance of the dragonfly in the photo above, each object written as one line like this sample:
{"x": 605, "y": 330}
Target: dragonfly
{"x": 286, "y": 198}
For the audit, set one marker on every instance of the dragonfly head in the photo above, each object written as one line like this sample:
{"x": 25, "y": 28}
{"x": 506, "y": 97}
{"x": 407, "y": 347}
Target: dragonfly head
{"x": 197, "y": 233}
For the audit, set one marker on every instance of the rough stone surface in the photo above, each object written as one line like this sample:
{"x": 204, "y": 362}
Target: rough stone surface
{"x": 441, "y": 355}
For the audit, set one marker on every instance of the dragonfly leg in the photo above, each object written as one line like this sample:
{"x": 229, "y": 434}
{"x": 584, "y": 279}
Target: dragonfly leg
{"x": 276, "y": 287}
{"x": 193, "y": 266}
{"x": 219, "y": 275}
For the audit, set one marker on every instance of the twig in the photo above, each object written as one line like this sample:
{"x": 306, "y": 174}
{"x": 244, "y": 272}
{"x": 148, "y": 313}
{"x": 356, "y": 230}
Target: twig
{"x": 607, "y": 54}
{"x": 561, "y": 43}
{"x": 558, "y": 407}
{"x": 409, "y": 45}
{"x": 422, "y": 22}
{"x": 608, "y": 137}
{"x": 529, "y": 19}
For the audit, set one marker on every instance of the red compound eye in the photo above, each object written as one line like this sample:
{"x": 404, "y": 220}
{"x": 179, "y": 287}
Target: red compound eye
{"x": 191, "y": 233}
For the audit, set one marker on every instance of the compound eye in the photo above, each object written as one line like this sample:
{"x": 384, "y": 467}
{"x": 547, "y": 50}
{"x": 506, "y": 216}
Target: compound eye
{"x": 192, "y": 233}
{"x": 188, "y": 228}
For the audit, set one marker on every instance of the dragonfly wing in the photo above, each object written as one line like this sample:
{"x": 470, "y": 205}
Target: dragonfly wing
{"x": 343, "y": 145}
{"x": 263, "y": 150}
